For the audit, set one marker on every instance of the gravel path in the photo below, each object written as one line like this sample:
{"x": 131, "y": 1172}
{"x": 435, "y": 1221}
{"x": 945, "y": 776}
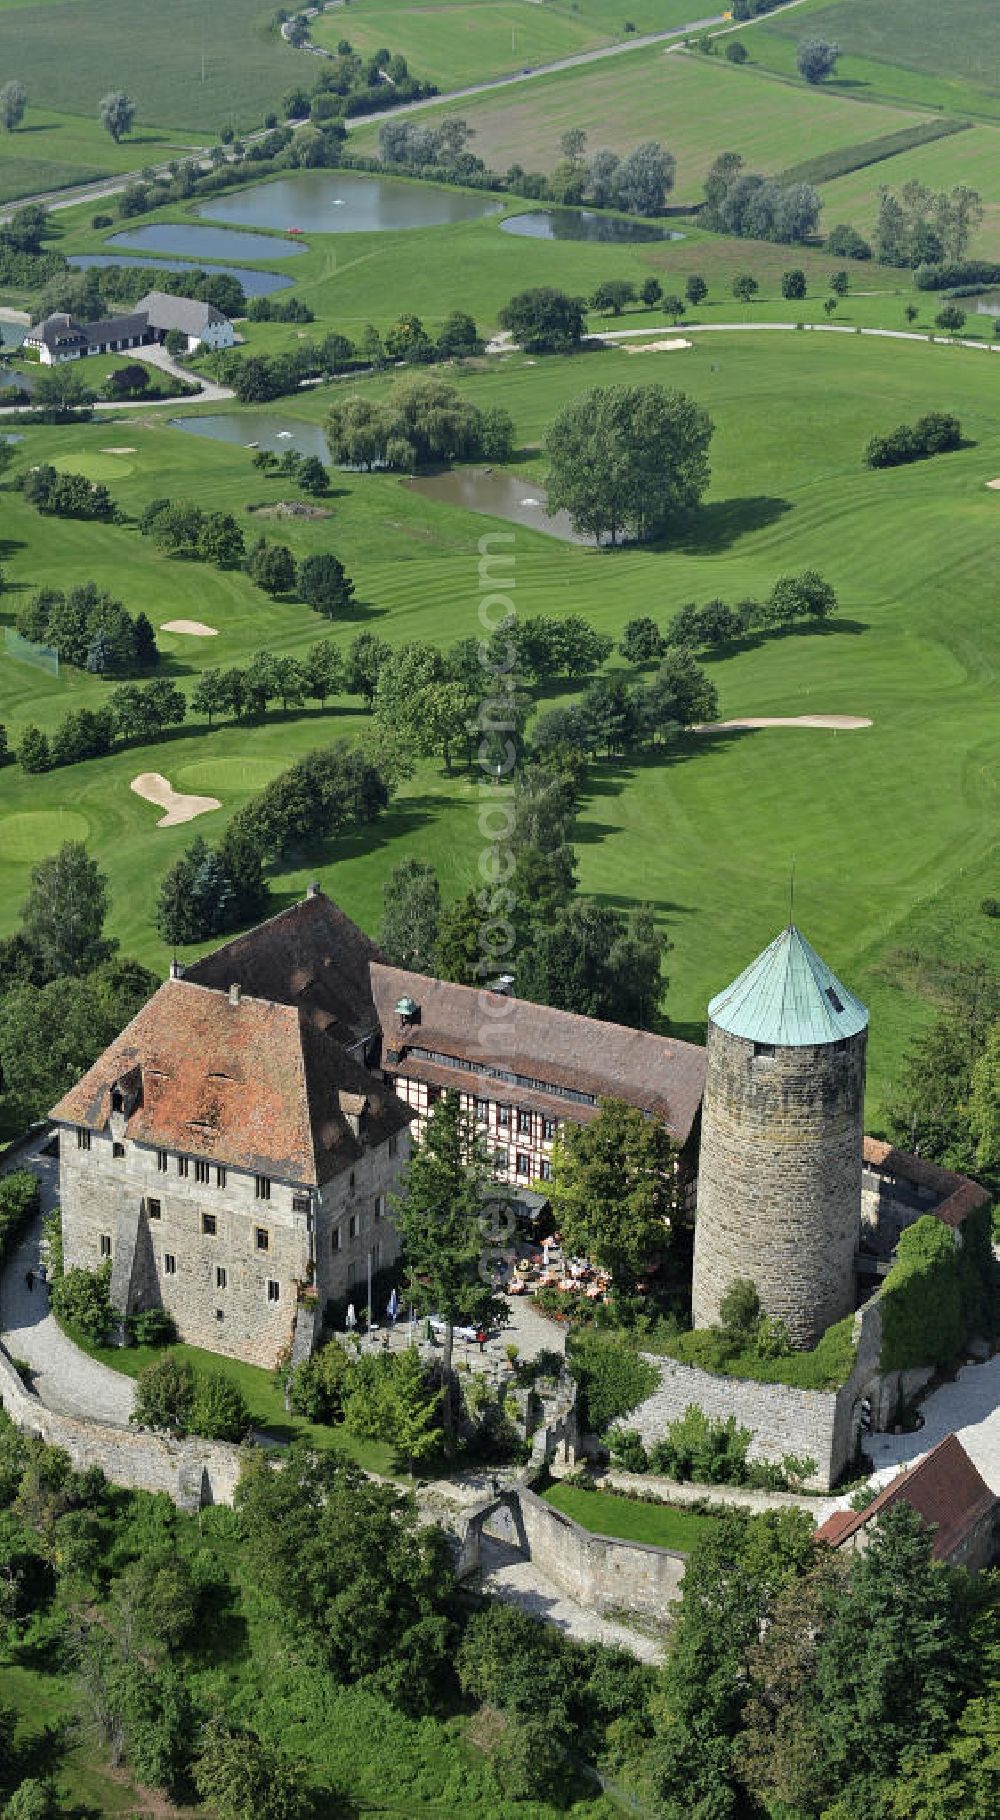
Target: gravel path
{"x": 62, "y": 1376}
{"x": 968, "y": 1406}
{"x": 507, "y": 1575}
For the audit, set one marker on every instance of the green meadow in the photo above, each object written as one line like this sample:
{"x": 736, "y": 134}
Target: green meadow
{"x": 972, "y": 158}
{"x": 892, "y": 829}
{"x": 697, "y": 106}
{"x": 934, "y": 55}
{"x": 452, "y": 42}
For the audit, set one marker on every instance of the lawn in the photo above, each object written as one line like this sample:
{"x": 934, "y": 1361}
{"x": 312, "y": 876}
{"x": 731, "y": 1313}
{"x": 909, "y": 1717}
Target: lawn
{"x": 605, "y": 1514}
{"x": 52, "y": 151}
{"x": 198, "y": 68}
{"x": 453, "y": 42}
{"x": 697, "y": 106}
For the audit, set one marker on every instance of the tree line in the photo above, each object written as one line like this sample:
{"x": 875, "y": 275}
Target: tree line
{"x": 936, "y": 433}
{"x": 638, "y": 183}
{"x": 90, "y": 630}
{"x": 257, "y": 378}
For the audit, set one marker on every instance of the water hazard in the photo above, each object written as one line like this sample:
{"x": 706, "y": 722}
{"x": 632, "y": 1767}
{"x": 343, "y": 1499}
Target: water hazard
{"x": 193, "y": 242}
{"x": 337, "y": 202}
{"x": 586, "y": 224}
{"x": 255, "y": 284}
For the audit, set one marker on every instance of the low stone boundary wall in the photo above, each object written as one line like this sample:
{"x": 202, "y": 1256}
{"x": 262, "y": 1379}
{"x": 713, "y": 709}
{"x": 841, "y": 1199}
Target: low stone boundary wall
{"x": 191, "y": 1472}
{"x": 822, "y": 1424}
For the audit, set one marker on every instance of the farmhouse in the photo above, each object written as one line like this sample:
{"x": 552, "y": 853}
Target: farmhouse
{"x": 61, "y": 337}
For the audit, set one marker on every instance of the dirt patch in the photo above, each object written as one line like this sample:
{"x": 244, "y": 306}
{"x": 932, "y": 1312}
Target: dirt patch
{"x": 289, "y": 508}
{"x": 195, "y": 628}
{"x": 994, "y": 486}
{"x": 122, "y": 451}
{"x": 153, "y": 788}
{"x": 834, "y": 723}
{"x": 659, "y": 347}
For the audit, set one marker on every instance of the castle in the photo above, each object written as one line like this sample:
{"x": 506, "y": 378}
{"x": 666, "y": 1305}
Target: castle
{"x": 233, "y": 1150}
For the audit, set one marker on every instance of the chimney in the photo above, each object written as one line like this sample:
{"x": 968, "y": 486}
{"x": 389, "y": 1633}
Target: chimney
{"x": 176, "y": 970}
{"x": 234, "y": 995}
{"x": 312, "y": 889}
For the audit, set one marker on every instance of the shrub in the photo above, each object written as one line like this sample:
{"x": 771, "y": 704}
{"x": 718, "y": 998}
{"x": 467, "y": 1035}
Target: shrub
{"x": 82, "y": 1298}
{"x": 628, "y": 1450}
{"x": 613, "y": 1377}
{"x": 219, "y": 1411}
{"x": 165, "y": 1396}
{"x": 739, "y": 1310}
{"x": 695, "y": 1447}
{"x": 318, "y": 1388}
{"x": 151, "y": 1327}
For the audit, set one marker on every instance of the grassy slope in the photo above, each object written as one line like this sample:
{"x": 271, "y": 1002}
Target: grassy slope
{"x": 972, "y": 158}
{"x": 946, "y": 54}
{"x": 663, "y": 1525}
{"x": 53, "y": 150}
{"x": 893, "y": 829}
{"x": 697, "y": 106}
{"x": 453, "y": 42}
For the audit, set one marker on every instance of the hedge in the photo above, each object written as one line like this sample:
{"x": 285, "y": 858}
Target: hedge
{"x": 964, "y": 272}
{"x": 938, "y": 1292}
{"x": 846, "y": 158}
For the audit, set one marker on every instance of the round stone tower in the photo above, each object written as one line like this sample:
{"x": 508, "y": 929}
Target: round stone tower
{"x": 779, "y": 1177}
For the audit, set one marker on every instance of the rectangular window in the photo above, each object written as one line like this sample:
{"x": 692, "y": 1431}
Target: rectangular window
{"x": 154, "y": 1209}
{"x": 764, "y": 1049}
{"x": 354, "y": 1226}
{"x": 169, "y": 1264}
{"x": 433, "y": 1095}
{"x": 336, "y": 1239}
{"x": 161, "y": 1161}
{"x": 221, "y": 1278}
{"x": 524, "y": 1123}
{"x": 482, "y": 1111}
{"x": 82, "y": 1138}
{"x": 209, "y": 1225}
{"x": 105, "y": 1244}
{"x": 118, "y": 1150}
{"x": 523, "y": 1163}
{"x": 545, "y": 1169}
{"x": 300, "y": 1203}
{"x": 503, "y": 1117}
{"x": 501, "y": 1159}
{"x": 393, "y": 1144}
{"x": 548, "y": 1129}
{"x": 262, "y": 1187}
{"x": 273, "y": 1290}
{"x": 220, "y": 1176}
{"x": 201, "y": 1171}
{"x": 220, "y": 1314}
{"x": 261, "y": 1238}
{"x": 182, "y": 1165}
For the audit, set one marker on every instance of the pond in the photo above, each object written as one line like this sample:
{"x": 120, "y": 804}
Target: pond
{"x": 255, "y": 284}
{"x": 22, "y": 376}
{"x": 985, "y": 303}
{"x": 336, "y": 202}
{"x": 259, "y": 429}
{"x": 499, "y": 495}
{"x": 205, "y": 242}
{"x": 584, "y": 224}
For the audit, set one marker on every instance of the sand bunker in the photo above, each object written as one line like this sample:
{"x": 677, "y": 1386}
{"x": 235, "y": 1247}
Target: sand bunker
{"x": 193, "y": 627}
{"x": 155, "y": 789}
{"x": 994, "y": 486}
{"x": 658, "y": 347}
{"x": 836, "y": 723}
{"x": 122, "y": 451}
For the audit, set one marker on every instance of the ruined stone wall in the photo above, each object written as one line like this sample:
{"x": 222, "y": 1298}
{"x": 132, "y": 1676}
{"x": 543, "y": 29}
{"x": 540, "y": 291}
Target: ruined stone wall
{"x": 226, "y": 1244}
{"x": 191, "y": 1472}
{"x": 779, "y": 1182}
{"x": 602, "y": 1573}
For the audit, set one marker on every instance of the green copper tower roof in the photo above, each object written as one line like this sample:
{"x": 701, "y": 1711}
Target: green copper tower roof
{"x": 788, "y": 997}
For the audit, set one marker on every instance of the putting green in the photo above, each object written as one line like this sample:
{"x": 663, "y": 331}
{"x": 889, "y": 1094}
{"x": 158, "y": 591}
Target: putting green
{"x": 95, "y": 467}
{"x": 36, "y": 832}
{"x": 229, "y": 773}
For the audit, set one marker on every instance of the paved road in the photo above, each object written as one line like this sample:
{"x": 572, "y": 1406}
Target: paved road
{"x": 63, "y": 1376}
{"x": 969, "y": 1406}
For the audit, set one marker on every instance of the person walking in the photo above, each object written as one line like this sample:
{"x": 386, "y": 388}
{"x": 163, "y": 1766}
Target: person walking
{"x": 29, "y": 1277}
{"x": 481, "y": 1337}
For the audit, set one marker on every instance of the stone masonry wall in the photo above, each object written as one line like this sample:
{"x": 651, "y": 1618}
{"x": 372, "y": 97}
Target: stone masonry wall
{"x": 217, "y": 1290}
{"x": 601, "y": 1573}
{"x": 779, "y": 1182}
{"x": 191, "y": 1472}
{"x": 353, "y": 1218}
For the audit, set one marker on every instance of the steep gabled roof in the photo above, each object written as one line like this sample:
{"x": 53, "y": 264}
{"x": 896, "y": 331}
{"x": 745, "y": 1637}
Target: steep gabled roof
{"x": 944, "y": 1488}
{"x": 789, "y": 997}
{"x": 189, "y": 314}
{"x": 496, "y": 1036}
{"x": 310, "y": 955}
{"x": 248, "y": 1083}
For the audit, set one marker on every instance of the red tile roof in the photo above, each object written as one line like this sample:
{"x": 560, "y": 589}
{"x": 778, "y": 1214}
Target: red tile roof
{"x": 957, "y": 1195}
{"x": 557, "y": 1048}
{"x": 310, "y": 955}
{"x": 945, "y": 1489}
{"x": 253, "y": 1084}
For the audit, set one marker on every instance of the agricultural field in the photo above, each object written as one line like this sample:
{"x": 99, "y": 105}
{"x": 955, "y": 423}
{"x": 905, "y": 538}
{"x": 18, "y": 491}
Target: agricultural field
{"x": 697, "y": 106}
{"x": 52, "y": 151}
{"x": 971, "y": 158}
{"x": 454, "y": 42}
{"x": 196, "y": 68}
{"x": 938, "y": 56}
{"x": 892, "y": 829}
